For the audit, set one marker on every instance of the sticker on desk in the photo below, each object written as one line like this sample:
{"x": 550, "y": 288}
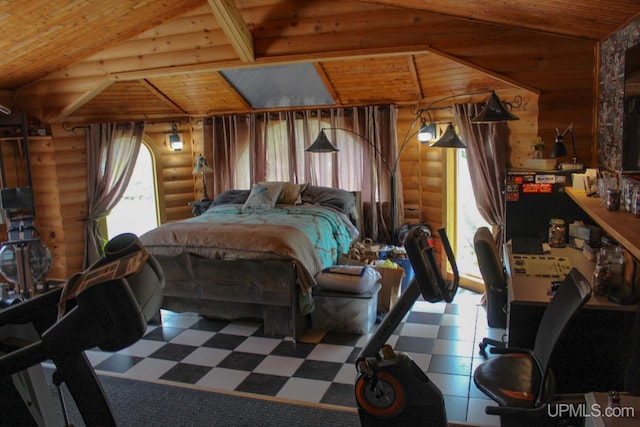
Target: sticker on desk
{"x": 541, "y": 266}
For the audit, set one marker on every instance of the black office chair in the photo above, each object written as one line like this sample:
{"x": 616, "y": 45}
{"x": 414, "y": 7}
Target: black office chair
{"x": 495, "y": 282}
{"x": 520, "y": 380}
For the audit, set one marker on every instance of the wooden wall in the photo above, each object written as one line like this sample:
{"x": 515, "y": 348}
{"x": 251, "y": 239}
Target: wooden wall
{"x": 60, "y": 188}
{"x": 59, "y": 176}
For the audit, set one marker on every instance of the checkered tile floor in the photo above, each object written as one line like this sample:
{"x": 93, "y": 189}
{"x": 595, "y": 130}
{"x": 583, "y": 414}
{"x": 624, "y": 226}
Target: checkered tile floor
{"x": 441, "y": 338}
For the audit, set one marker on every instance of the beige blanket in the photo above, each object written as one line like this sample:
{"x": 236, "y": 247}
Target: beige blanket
{"x": 237, "y": 241}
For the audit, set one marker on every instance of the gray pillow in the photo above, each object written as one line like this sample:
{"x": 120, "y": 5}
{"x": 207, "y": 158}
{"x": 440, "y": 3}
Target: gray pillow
{"x": 336, "y": 198}
{"x": 231, "y": 197}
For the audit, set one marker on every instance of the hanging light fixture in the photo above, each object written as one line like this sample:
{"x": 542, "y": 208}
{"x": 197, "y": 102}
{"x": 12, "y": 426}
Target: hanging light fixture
{"x": 427, "y": 131}
{"x": 175, "y": 142}
{"x": 449, "y": 139}
{"x": 322, "y": 144}
{"x": 495, "y": 111}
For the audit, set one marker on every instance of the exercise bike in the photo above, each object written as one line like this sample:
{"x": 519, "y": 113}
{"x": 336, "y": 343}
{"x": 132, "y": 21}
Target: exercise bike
{"x": 390, "y": 388}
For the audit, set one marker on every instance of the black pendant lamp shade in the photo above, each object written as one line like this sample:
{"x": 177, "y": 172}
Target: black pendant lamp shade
{"x": 493, "y": 112}
{"x": 322, "y": 145}
{"x": 449, "y": 139}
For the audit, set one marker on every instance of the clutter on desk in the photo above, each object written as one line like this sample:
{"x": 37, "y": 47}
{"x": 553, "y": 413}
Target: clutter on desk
{"x": 557, "y": 233}
{"x": 585, "y": 237}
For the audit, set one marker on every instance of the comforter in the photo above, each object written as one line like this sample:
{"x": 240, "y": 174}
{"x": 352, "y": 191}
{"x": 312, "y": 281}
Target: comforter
{"x": 311, "y": 236}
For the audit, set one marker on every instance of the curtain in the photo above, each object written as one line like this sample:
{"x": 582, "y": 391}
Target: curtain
{"x": 271, "y": 146}
{"x": 486, "y": 157}
{"x": 112, "y": 150}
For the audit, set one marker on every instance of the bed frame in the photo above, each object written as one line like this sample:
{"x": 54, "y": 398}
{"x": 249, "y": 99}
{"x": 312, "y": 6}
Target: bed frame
{"x": 240, "y": 289}
{"x": 262, "y": 289}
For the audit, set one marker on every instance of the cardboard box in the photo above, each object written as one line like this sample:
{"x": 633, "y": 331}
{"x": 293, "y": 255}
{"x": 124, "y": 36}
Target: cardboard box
{"x": 344, "y": 312}
{"x": 390, "y": 281}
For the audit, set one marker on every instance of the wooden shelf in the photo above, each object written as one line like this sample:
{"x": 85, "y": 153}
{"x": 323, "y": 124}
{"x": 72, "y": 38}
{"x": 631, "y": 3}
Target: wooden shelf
{"x": 621, "y": 225}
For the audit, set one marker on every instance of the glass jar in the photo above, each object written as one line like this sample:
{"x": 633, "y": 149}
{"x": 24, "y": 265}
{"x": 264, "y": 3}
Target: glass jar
{"x": 613, "y": 199}
{"x": 557, "y": 233}
{"x": 601, "y": 278}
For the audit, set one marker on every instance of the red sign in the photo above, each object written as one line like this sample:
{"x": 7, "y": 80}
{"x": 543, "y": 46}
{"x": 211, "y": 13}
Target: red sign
{"x": 536, "y": 188}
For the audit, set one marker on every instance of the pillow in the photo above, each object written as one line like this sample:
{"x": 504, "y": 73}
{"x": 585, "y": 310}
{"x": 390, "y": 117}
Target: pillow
{"x": 263, "y": 195}
{"x": 229, "y": 197}
{"x": 341, "y": 200}
{"x": 290, "y": 194}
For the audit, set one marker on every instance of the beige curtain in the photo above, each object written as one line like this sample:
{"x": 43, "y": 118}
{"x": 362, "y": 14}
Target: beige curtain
{"x": 112, "y": 150}
{"x": 486, "y": 157}
{"x": 275, "y": 143}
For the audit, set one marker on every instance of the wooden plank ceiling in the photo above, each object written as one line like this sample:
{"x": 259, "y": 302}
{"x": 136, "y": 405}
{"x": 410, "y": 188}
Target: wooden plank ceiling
{"x": 79, "y": 61}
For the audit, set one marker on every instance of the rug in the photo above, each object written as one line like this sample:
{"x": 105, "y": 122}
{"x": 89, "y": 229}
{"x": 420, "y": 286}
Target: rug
{"x": 142, "y": 403}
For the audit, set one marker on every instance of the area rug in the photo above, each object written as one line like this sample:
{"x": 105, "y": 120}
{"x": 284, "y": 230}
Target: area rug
{"x": 143, "y": 403}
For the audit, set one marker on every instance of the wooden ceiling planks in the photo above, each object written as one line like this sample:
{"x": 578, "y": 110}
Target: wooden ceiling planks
{"x": 482, "y": 47}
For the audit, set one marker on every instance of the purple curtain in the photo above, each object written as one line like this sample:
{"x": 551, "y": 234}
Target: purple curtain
{"x": 486, "y": 157}
{"x": 112, "y": 150}
{"x": 271, "y": 146}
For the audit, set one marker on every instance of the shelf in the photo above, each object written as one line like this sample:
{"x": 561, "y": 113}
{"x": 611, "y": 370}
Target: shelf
{"x": 621, "y": 225}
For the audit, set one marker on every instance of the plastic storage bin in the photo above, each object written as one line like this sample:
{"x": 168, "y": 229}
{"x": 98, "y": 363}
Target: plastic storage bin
{"x": 344, "y": 312}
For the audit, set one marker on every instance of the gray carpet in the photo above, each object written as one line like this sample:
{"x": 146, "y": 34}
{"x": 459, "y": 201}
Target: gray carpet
{"x": 140, "y": 403}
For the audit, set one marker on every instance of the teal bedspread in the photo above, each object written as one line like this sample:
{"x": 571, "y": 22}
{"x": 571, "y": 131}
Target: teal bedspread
{"x": 329, "y": 232}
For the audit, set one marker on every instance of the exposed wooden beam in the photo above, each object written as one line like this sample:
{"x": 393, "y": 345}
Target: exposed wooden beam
{"x": 261, "y": 62}
{"x": 234, "y": 27}
{"x": 81, "y": 100}
{"x": 489, "y": 73}
{"x": 327, "y": 83}
{"x": 161, "y": 95}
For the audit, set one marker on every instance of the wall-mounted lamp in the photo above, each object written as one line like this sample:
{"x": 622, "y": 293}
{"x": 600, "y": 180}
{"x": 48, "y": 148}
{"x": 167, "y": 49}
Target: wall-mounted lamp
{"x": 175, "y": 142}
{"x": 202, "y": 167}
{"x": 559, "y": 150}
{"x": 5, "y": 110}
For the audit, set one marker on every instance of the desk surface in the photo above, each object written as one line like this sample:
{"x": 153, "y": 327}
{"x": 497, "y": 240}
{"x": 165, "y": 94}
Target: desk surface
{"x": 533, "y": 289}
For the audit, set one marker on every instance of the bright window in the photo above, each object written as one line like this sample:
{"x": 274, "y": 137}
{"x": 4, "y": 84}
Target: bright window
{"x": 137, "y": 211}
{"x": 468, "y": 218}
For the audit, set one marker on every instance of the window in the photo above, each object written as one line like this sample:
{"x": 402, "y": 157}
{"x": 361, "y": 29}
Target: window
{"x": 138, "y": 198}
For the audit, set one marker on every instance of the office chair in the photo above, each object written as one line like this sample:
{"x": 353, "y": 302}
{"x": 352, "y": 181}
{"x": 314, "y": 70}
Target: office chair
{"x": 495, "y": 282}
{"x": 520, "y": 380}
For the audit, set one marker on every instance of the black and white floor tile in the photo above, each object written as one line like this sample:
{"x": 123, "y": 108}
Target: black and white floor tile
{"x": 221, "y": 355}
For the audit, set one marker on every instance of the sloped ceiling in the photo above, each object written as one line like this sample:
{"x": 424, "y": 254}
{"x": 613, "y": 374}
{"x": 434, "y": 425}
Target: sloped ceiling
{"x": 86, "y": 60}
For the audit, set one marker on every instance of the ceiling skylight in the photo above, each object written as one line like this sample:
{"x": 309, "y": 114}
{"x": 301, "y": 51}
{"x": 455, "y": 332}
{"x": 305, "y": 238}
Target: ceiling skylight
{"x": 281, "y": 86}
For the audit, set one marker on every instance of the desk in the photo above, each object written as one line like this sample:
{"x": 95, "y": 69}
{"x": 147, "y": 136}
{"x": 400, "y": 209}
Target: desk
{"x": 596, "y": 350}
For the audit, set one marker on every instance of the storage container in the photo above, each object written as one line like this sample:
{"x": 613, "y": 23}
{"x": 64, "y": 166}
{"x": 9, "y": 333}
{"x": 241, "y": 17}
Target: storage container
{"x": 345, "y": 312}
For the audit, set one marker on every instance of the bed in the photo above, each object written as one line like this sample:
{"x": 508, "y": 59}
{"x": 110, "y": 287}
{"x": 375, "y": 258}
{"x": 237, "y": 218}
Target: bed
{"x": 255, "y": 253}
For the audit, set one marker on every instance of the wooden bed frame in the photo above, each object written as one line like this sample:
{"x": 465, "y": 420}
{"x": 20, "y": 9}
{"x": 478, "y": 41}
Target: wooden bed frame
{"x": 240, "y": 289}
{"x": 262, "y": 289}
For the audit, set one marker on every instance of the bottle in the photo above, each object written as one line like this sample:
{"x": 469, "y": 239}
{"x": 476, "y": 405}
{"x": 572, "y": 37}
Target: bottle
{"x": 635, "y": 201}
{"x": 557, "y": 233}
